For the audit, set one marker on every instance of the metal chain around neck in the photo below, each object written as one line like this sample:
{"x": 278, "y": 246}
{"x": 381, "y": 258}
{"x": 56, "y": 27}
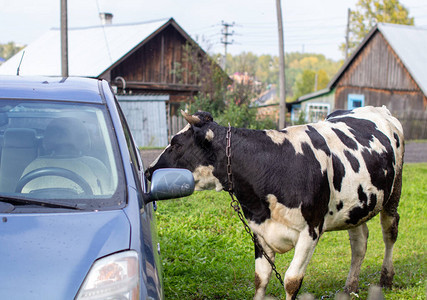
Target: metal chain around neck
{"x": 235, "y": 205}
{"x": 228, "y": 154}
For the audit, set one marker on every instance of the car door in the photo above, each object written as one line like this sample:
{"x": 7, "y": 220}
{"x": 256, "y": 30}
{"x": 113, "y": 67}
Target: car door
{"x": 148, "y": 241}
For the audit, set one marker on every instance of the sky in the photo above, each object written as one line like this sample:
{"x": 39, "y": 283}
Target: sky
{"x": 310, "y": 26}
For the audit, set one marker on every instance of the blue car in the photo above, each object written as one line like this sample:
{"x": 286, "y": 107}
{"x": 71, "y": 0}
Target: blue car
{"x": 76, "y": 217}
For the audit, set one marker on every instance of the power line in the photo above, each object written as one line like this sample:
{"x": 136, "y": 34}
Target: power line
{"x": 224, "y": 40}
{"x": 304, "y": 21}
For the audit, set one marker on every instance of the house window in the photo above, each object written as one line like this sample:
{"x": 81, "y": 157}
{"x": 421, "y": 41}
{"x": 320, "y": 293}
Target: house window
{"x": 295, "y": 112}
{"x": 317, "y": 111}
{"x": 355, "y": 101}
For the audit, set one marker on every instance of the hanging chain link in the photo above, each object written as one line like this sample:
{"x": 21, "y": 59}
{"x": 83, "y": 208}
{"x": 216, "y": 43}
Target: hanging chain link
{"x": 228, "y": 154}
{"x": 236, "y": 206}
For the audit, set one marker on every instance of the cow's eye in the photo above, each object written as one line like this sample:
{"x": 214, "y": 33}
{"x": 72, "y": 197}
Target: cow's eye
{"x": 176, "y": 146}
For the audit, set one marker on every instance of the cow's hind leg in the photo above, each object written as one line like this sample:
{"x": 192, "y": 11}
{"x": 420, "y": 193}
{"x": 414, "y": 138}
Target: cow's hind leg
{"x": 358, "y": 242}
{"x": 262, "y": 269}
{"x": 389, "y": 226}
{"x": 389, "y": 223}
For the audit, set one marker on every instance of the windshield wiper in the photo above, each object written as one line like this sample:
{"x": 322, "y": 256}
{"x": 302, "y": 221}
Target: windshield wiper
{"x": 38, "y": 202}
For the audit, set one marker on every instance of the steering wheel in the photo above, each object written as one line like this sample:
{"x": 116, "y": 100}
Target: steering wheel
{"x": 53, "y": 171}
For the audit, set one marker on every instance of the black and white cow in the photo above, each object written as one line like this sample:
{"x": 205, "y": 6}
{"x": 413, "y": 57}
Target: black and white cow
{"x": 297, "y": 183}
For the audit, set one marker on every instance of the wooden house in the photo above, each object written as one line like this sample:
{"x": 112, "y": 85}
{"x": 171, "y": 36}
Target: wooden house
{"x": 153, "y": 66}
{"x": 389, "y": 68}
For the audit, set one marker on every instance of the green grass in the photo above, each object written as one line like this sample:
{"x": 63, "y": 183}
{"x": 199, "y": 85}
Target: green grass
{"x": 206, "y": 253}
{"x": 416, "y": 141}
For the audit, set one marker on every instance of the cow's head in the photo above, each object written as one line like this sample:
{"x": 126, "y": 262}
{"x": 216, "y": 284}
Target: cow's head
{"x": 193, "y": 148}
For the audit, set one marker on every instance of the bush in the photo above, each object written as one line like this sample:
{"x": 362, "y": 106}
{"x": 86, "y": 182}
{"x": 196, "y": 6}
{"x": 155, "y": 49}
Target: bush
{"x": 241, "y": 116}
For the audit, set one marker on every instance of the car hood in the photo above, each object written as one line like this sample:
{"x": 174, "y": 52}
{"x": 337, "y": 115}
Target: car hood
{"x": 47, "y": 256}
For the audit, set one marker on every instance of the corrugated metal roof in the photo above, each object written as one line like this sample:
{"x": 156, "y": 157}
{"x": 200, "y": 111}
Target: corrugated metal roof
{"x": 410, "y": 44}
{"x": 92, "y": 50}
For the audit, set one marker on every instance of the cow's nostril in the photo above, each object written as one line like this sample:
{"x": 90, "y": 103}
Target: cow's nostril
{"x": 148, "y": 174}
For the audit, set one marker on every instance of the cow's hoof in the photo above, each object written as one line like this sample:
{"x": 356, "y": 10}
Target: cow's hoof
{"x": 351, "y": 288}
{"x": 386, "y": 280}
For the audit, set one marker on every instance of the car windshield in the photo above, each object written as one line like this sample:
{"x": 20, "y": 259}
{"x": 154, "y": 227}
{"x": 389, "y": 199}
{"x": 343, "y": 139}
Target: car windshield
{"x": 59, "y": 151}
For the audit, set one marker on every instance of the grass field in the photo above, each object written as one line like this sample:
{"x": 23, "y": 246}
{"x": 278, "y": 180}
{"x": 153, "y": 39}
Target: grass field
{"x": 206, "y": 253}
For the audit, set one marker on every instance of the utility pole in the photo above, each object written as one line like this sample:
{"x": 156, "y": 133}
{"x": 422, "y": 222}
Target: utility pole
{"x": 316, "y": 78}
{"x": 347, "y": 33}
{"x": 282, "y": 89}
{"x": 64, "y": 39}
{"x": 224, "y": 40}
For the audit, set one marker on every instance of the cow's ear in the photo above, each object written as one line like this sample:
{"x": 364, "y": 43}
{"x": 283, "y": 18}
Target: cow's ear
{"x": 204, "y": 117}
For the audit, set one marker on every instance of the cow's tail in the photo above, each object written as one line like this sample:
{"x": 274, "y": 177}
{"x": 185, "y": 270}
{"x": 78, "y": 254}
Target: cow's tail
{"x": 398, "y": 141}
{"x": 399, "y": 138}
{"x": 394, "y": 131}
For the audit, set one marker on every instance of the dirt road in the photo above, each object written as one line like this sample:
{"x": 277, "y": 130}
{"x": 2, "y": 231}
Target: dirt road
{"x": 415, "y": 152}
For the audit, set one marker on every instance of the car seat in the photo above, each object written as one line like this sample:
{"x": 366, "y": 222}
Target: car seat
{"x": 19, "y": 149}
{"x": 66, "y": 141}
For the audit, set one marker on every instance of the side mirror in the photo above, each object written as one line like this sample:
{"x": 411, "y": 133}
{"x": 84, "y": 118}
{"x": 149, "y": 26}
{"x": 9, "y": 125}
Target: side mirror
{"x": 170, "y": 183}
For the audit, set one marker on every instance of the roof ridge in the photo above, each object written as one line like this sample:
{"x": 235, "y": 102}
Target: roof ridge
{"x": 114, "y": 25}
{"x": 403, "y": 26}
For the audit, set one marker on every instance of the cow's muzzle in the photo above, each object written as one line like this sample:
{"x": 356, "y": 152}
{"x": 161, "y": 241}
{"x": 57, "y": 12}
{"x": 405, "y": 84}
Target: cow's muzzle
{"x": 148, "y": 174}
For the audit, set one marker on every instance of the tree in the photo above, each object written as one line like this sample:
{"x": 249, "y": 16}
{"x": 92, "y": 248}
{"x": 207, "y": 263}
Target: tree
{"x": 212, "y": 80}
{"x": 244, "y": 62}
{"x": 322, "y": 80}
{"x": 267, "y": 69}
{"x": 370, "y": 12}
{"x": 305, "y": 83}
{"x": 310, "y": 81}
{"x": 235, "y": 103}
{"x": 226, "y": 104}
{"x": 9, "y": 49}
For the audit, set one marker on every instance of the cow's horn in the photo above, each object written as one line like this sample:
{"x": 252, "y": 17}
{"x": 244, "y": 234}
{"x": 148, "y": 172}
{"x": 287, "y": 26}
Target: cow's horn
{"x": 190, "y": 118}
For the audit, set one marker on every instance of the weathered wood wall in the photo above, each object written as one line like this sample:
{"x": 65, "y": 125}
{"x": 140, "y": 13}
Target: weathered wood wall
{"x": 378, "y": 66}
{"x": 395, "y": 100}
{"x": 167, "y": 62}
{"x": 157, "y": 61}
{"x": 379, "y": 74}
{"x": 407, "y": 106}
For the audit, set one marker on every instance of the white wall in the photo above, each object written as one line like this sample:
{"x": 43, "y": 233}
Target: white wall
{"x": 146, "y": 117}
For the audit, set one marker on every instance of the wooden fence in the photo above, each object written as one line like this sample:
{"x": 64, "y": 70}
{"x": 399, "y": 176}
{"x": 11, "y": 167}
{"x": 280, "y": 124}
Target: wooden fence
{"x": 414, "y": 124}
{"x": 175, "y": 124}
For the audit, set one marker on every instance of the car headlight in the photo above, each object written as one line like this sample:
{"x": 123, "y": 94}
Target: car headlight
{"x": 112, "y": 277}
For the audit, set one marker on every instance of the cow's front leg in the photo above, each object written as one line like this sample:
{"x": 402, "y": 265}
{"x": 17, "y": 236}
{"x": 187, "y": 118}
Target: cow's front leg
{"x": 303, "y": 252}
{"x": 262, "y": 269}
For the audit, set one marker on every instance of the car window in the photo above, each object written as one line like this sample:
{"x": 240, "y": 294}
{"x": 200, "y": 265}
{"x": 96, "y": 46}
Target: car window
{"x": 136, "y": 161}
{"x": 59, "y": 150}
